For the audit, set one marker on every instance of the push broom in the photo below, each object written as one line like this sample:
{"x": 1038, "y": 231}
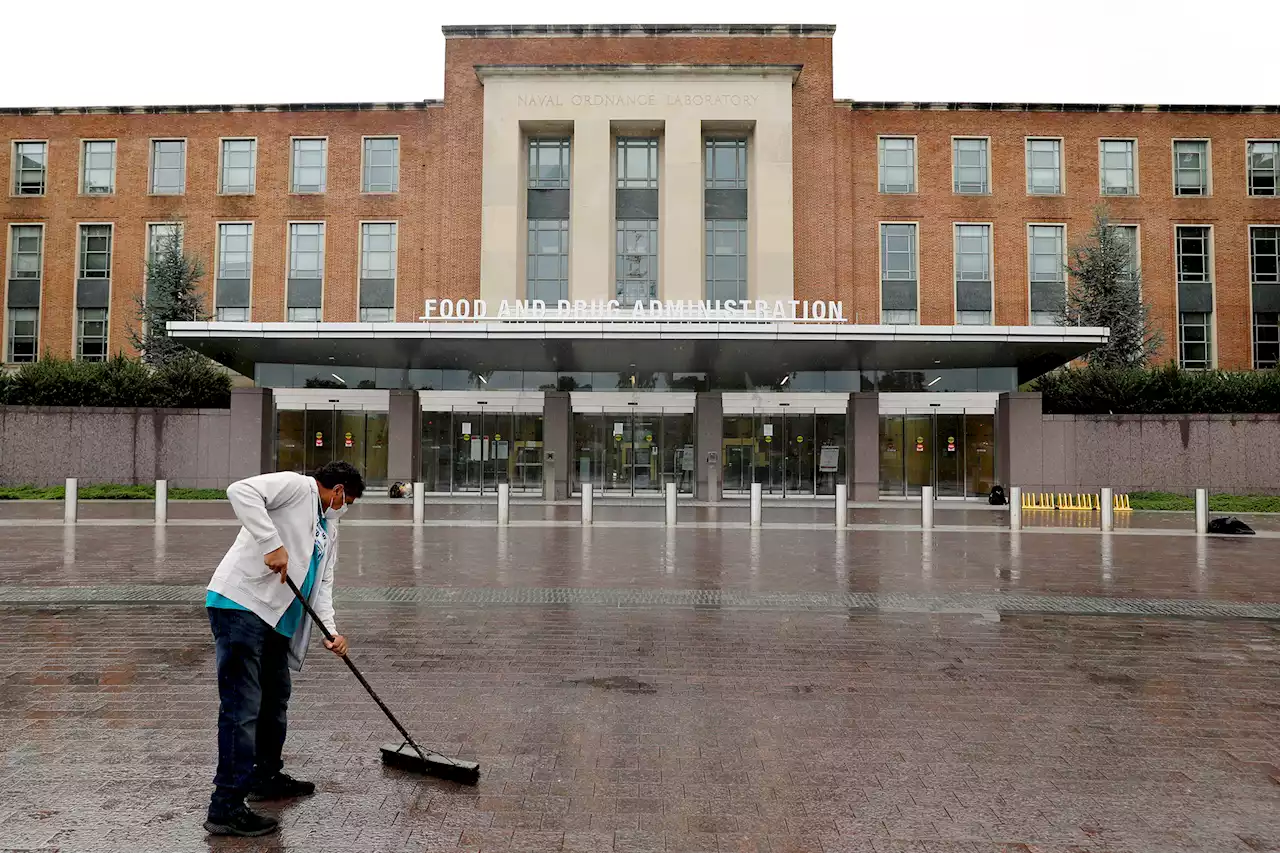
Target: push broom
{"x": 408, "y": 755}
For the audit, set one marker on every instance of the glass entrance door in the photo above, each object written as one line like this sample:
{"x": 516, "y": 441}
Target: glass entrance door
{"x": 954, "y": 453}
{"x": 787, "y": 453}
{"x": 480, "y": 451}
{"x": 307, "y": 439}
{"x": 633, "y": 452}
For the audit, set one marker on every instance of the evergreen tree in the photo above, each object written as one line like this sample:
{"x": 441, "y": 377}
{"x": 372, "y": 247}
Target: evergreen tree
{"x": 1106, "y": 291}
{"x": 173, "y": 294}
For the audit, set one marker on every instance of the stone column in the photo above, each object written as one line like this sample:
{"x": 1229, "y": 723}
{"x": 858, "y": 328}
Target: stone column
{"x": 1020, "y": 442}
{"x": 863, "y": 435}
{"x": 591, "y": 235}
{"x": 680, "y": 203}
{"x": 557, "y": 434}
{"x": 708, "y": 425}
{"x": 252, "y": 443}
{"x": 404, "y": 437}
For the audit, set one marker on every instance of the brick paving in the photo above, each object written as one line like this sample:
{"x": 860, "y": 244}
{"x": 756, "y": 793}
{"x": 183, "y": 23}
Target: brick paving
{"x": 678, "y": 725}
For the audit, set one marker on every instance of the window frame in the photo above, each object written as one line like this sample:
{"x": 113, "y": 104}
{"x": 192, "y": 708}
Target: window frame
{"x": 1133, "y": 141}
{"x": 293, "y": 165}
{"x": 564, "y": 143}
{"x": 16, "y": 169}
{"x": 955, "y": 267}
{"x": 1211, "y": 333}
{"x": 1030, "y": 267}
{"x": 1253, "y": 281}
{"x": 9, "y": 337}
{"x": 148, "y": 226}
{"x": 711, "y": 145}
{"x": 955, "y": 164}
{"x": 915, "y": 223}
{"x": 84, "y": 167}
{"x": 1206, "y": 166}
{"x": 1062, "y": 169}
{"x": 915, "y": 163}
{"x": 217, "y": 260}
{"x": 1248, "y": 168}
{"x": 79, "y": 334}
{"x": 6, "y": 356}
{"x": 395, "y": 259}
{"x": 79, "y": 256}
{"x": 253, "y": 167}
{"x": 11, "y": 253}
{"x": 364, "y": 164}
{"x": 653, "y": 180}
{"x": 151, "y": 166}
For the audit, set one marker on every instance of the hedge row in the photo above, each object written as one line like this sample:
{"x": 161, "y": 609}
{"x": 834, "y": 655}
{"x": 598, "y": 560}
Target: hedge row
{"x": 106, "y": 492}
{"x": 189, "y": 383}
{"x": 1160, "y": 391}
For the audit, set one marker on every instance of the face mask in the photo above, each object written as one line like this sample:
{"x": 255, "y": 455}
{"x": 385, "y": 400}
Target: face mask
{"x": 336, "y": 512}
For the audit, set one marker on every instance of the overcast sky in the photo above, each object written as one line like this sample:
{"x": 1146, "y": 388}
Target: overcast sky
{"x": 129, "y": 52}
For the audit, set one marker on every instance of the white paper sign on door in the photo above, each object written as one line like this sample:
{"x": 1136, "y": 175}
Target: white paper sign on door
{"x": 466, "y": 428}
{"x": 617, "y": 428}
{"x": 768, "y": 430}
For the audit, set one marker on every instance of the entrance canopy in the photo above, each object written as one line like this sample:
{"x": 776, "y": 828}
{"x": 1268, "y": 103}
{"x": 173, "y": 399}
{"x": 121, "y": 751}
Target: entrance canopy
{"x": 763, "y": 348}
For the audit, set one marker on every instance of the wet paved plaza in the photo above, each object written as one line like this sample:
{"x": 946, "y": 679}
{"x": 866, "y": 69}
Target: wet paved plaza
{"x": 630, "y": 688}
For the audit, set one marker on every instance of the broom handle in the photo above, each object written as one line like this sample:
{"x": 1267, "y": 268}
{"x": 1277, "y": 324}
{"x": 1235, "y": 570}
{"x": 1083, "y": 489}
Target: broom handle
{"x": 351, "y": 666}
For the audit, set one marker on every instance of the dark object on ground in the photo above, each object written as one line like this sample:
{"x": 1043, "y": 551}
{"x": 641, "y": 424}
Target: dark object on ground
{"x": 1230, "y": 524}
{"x": 243, "y": 823}
{"x": 997, "y": 497}
{"x": 408, "y": 756}
{"x": 400, "y": 490}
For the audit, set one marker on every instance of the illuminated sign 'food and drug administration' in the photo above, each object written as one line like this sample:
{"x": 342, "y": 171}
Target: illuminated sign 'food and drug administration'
{"x": 644, "y": 311}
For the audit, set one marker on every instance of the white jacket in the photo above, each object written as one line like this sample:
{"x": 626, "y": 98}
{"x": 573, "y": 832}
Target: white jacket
{"x": 275, "y": 510}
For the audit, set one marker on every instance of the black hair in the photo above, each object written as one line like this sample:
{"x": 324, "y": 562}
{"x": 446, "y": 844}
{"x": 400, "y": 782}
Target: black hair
{"x": 332, "y": 474}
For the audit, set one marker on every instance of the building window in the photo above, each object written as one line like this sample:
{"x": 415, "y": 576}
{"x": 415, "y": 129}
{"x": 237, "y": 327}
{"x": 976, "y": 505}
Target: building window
{"x": 1195, "y": 297}
{"x": 1129, "y": 234}
{"x": 239, "y": 166}
{"x": 377, "y": 272}
{"x": 157, "y": 236}
{"x": 91, "y": 342}
{"x": 1044, "y": 166}
{"x": 549, "y": 164}
{"x": 970, "y": 165}
{"x": 309, "y": 165}
{"x": 973, "y": 275}
{"x": 26, "y": 252}
{"x": 637, "y": 228}
{"x": 1264, "y": 275}
{"x": 547, "y": 261}
{"x": 382, "y": 165}
{"x": 231, "y": 314}
{"x": 99, "y": 168}
{"x": 1047, "y": 272}
{"x": 24, "y": 340}
{"x": 726, "y": 271}
{"x": 1264, "y": 167}
{"x": 897, "y": 164}
{"x": 1118, "y": 166}
{"x": 725, "y": 218}
{"x": 306, "y": 271}
{"x": 304, "y": 315}
{"x": 725, "y": 164}
{"x": 30, "y": 167}
{"x": 898, "y": 274}
{"x": 235, "y": 268}
{"x": 1190, "y": 167}
{"x": 168, "y": 166}
{"x": 95, "y": 251}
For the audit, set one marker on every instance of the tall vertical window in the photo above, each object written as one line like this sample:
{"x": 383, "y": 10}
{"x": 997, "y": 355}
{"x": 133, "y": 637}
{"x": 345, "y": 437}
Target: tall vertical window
{"x": 377, "y": 272}
{"x": 1195, "y": 297}
{"x": 91, "y": 337}
{"x": 973, "y": 275}
{"x": 1264, "y": 275}
{"x": 899, "y": 274}
{"x": 1263, "y": 158}
{"x": 98, "y": 169}
{"x": 309, "y": 160}
{"x": 1190, "y": 167}
{"x": 235, "y": 268}
{"x": 306, "y": 271}
{"x": 547, "y": 214}
{"x": 30, "y": 167}
{"x": 1044, "y": 166}
{"x": 1046, "y": 267}
{"x": 724, "y": 202}
{"x": 381, "y": 165}
{"x": 93, "y": 292}
{"x": 637, "y": 219}
{"x": 1118, "y": 166}
{"x": 168, "y": 166}
{"x": 897, "y": 164}
{"x": 26, "y": 251}
{"x": 158, "y": 236}
{"x": 95, "y": 251}
{"x": 971, "y": 166}
{"x": 239, "y": 167}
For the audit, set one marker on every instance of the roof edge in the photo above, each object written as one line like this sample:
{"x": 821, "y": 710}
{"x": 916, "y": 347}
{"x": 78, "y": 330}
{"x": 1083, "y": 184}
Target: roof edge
{"x": 1006, "y": 106}
{"x": 498, "y": 31}
{"x": 758, "y": 69}
{"x": 356, "y": 106}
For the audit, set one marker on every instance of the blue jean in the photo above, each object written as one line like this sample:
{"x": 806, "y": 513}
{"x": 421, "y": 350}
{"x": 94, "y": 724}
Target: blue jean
{"x": 253, "y": 688}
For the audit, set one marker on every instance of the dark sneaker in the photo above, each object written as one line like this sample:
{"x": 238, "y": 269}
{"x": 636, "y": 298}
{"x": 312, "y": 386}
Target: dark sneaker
{"x": 242, "y": 822}
{"x": 281, "y": 787}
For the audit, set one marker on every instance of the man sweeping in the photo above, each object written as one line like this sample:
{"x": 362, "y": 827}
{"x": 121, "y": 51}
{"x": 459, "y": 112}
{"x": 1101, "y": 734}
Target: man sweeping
{"x": 289, "y": 526}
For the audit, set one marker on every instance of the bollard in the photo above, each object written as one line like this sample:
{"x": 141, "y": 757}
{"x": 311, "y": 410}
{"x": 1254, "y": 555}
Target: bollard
{"x": 1107, "y": 506}
{"x": 671, "y": 504}
{"x": 1015, "y": 507}
{"x": 69, "y": 507}
{"x": 419, "y": 503}
{"x": 1202, "y": 511}
{"x": 586, "y": 503}
{"x": 504, "y": 504}
{"x": 162, "y": 501}
{"x": 926, "y": 507}
{"x": 756, "y": 495}
{"x": 842, "y": 506}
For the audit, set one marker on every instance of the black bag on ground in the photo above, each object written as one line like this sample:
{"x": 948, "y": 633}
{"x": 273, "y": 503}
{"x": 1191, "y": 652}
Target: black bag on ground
{"x": 997, "y": 496}
{"x": 1231, "y": 524}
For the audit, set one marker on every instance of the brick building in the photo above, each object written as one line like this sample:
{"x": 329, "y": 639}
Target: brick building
{"x": 705, "y": 168}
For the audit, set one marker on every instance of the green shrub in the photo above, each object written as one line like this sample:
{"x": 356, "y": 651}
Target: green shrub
{"x": 1217, "y": 503}
{"x": 1160, "y": 391}
{"x": 189, "y": 382}
{"x": 107, "y": 491}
